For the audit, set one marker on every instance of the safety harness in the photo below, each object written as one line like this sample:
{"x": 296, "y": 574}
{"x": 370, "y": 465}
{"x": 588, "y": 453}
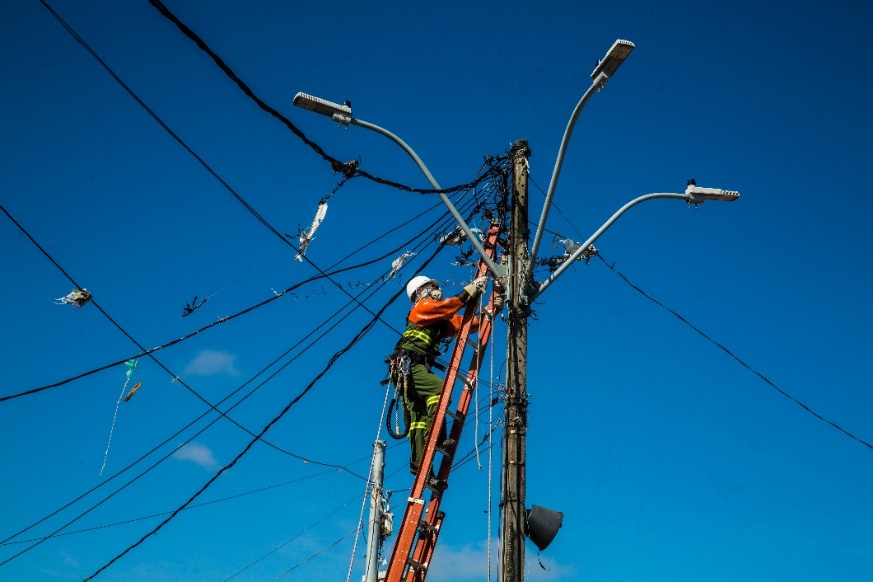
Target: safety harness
{"x": 414, "y": 340}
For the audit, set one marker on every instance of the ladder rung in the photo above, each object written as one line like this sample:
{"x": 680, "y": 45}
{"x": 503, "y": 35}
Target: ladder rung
{"x": 428, "y": 527}
{"x": 418, "y": 566}
{"x": 437, "y": 488}
{"x": 457, "y": 416}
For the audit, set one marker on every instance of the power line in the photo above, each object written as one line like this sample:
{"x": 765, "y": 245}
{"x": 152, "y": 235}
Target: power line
{"x": 721, "y": 346}
{"x": 315, "y": 555}
{"x": 336, "y": 165}
{"x": 282, "y": 545}
{"x": 142, "y": 518}
{"x": 363, "y": 331}
{"x": 424, "y": 238}
{"x": 735, "y": 357}
{"x": 145, "y": 352}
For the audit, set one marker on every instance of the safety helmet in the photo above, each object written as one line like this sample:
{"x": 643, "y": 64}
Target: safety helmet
{"x": 415, "y": 284}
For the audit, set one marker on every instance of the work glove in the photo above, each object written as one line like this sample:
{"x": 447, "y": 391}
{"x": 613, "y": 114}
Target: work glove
{"x": 498, "y": 303}
{"x": 476, "y": 287}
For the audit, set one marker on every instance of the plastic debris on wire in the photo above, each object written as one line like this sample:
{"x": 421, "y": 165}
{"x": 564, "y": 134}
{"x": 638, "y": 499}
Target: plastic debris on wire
{"x": 131, "y": 366}
{"x": 397, "y": 263}
{"x": 191, "y": 306}
{"x": 307, "y": 236}
{"x": 77, "y": 297}
{"x": 458, "y": 236}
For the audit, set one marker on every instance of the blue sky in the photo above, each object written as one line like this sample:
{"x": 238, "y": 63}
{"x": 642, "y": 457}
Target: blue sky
{"x": 670, "y": 459}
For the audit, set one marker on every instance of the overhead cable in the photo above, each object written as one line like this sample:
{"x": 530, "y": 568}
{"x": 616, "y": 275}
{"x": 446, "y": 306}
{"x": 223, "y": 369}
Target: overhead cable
{"x": 735, "y": 357}
{"x": 335, "y": 163}
{"x": 363, "y": 331}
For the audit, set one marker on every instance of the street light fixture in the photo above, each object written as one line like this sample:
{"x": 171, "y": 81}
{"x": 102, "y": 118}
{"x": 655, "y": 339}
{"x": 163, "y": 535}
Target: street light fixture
{"x": 615, "y": 56}
{"x": 343, "y": 115}
{"x": 697, "y": 195}
{"x": 693, "y": 195}
{"x": 605, "y": 68}
{"x": 337, "y": 112}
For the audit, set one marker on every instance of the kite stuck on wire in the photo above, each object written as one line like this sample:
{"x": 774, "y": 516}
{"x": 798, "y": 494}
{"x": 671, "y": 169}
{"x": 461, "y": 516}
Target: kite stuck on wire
{"x": 77, "y": 297}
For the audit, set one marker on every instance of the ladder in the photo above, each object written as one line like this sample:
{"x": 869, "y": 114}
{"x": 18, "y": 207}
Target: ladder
{"x": 410, "y": 558}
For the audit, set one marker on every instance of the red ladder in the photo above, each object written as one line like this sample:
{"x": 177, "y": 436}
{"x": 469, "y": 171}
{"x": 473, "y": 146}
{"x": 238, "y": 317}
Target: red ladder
{"x": 408, "y": 563}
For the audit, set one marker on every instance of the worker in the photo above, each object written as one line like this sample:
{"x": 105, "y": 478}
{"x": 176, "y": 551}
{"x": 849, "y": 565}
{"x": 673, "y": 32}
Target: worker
{"x": 431, "y": 320}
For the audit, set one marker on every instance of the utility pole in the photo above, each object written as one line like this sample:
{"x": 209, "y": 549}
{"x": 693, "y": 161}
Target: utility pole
{"x": 374, "y": 535}
{"x": 515, "y": 419}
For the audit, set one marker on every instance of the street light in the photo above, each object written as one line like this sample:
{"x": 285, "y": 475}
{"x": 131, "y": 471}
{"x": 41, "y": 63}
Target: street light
{"x": 615, "y": 56}
{"x": 693, "y": 195}
{"x": 343, "y": 114}
{"x": 606, "y": 67}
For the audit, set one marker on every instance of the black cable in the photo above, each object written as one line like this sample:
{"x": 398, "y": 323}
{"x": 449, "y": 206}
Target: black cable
{"x": 315, "y": 555}
{"x": 364, "y": 330}
{"x": 130, "y": 337}
{"x": 336, "y": 165}
{"x": 146, "y": 352}
{"x": 135, "y": 519}
{"x": 189, "y": 440}
{"x": 279, "y": 547}
{"x": 731, "y": 354}
{"x": 173, "y": 134}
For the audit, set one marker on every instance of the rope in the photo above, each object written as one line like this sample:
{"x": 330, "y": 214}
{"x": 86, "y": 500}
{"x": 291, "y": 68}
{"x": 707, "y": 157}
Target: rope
{"x": 112, "y": 428}
{"x": 476, "y": 386}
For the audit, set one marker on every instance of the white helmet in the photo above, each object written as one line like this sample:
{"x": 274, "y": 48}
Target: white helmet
{"x": 415, "y": 284}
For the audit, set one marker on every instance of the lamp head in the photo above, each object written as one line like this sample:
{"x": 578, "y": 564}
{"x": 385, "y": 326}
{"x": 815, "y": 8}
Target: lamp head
{"x": 615, "y": 56}
{"x": 335, "y": 111}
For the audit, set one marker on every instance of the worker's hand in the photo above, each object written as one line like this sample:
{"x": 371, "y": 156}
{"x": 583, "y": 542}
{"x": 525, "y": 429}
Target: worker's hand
{"x": 498, "y": 304}
{"x": 476, "y": 287}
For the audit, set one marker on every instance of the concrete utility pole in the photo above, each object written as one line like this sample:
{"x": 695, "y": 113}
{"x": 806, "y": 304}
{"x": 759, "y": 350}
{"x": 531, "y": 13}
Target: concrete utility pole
{"x": 515, "y": 426}
{"x": 374, "y": 535}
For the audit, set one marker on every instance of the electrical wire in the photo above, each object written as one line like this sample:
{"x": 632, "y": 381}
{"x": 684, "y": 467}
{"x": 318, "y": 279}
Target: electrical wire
{"x": 315, "y": 555}
{"x": 736, "y": 358}
{"x": 186, "y": 442}
{"x": 145, "y": 352}
{"x": 283, "y": 544}
{"x": 158, "y": 462}
{"x": 719, "y": 345}
{"x": 363, "y": 331}
{"x": 335, "y": 164}
{"x": 204, "y": 504}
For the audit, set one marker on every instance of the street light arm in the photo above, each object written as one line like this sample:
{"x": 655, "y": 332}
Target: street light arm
{"x": 691, "y": 198}
{"x": 606, "y": 68}
{"x": 343, "y": 115}
{"x": 497, "y": 271}
{"x": 559, "y": 162}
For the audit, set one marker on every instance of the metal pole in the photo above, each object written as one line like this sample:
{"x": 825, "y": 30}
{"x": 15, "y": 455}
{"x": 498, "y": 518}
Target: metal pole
{"x": 495, "y": 269}
{"x": 598, "y": 82}
{"x": 374, "y": 535}
{"x": 515, "y": 426}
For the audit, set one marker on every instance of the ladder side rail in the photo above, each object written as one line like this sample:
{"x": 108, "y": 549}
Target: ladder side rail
{"x": 426, "y": 544}
{"x": 412, "y": 515}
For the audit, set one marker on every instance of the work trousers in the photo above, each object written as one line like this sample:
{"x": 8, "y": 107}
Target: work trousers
{"x": 422, "y": 400}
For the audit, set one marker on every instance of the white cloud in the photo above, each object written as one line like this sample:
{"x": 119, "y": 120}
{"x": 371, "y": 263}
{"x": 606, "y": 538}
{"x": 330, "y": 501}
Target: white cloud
{"x": 197, "y": 453}
{"x": 212, "y": 363}
{"x": 471, "y": 563}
